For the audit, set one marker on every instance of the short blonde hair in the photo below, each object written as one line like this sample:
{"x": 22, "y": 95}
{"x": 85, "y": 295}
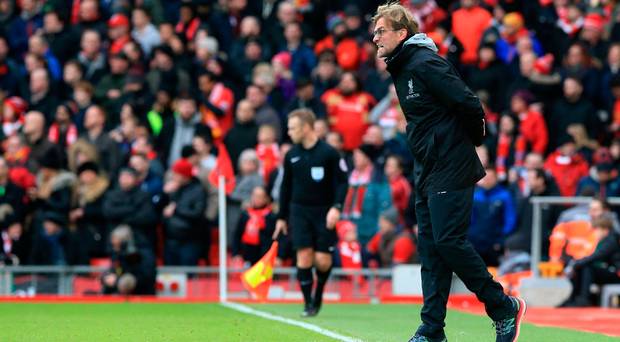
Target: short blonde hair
{"x": 306, "y": 116}
{"x": 398, "y": 17}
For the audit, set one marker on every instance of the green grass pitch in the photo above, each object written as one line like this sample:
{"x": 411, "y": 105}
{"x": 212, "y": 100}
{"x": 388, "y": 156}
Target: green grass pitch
{"x": 212, "y": 322}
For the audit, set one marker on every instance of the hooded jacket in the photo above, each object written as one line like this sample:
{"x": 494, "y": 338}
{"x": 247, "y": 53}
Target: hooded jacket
{"x": 444, "y": 117}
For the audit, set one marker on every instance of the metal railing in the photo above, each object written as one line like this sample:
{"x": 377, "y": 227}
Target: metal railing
{"x": 537, "y": 233}
{"x": 62, "y": 278}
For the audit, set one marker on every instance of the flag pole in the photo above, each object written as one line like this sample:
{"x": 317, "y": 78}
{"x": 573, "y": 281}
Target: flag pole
{"x": 223, "y": 278}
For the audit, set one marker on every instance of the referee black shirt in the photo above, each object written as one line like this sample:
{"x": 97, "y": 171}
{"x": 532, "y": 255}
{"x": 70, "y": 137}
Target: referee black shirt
{"x": 313, "y": 177}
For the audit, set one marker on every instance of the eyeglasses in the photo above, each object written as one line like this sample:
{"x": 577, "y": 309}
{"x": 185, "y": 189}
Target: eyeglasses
{"x": 381, "y": 31}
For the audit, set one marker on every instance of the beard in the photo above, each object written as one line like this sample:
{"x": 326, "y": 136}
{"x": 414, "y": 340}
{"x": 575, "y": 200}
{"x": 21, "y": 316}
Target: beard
{"x": 347, "y": 92}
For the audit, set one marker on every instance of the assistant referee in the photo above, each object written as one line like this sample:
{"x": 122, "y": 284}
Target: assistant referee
{"x": 313, "y": 189}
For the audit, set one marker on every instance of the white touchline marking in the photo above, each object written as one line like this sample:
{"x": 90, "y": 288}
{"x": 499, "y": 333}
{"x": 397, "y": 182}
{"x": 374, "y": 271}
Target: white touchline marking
{"x": 248, "y": 310}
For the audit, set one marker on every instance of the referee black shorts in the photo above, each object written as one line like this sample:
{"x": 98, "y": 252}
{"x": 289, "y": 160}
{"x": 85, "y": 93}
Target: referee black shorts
{"x": 307, "y": 226}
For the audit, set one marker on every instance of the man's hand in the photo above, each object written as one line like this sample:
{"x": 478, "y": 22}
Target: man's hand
{"x": 109, "y": 279}
{"x": 281, "y": 226}
{"x": 76, "y": 214}
{"x": 169, "y": 210}
{"x": 333, "y": 215}
{"x": 171, "y": 186}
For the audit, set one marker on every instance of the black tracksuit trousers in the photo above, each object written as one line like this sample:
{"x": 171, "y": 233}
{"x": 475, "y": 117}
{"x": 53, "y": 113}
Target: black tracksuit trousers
{"x": 443, "y": 221}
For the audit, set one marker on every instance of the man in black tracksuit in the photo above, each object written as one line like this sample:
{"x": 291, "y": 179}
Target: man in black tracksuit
{"x": 444, "y": 122}
{"x": 313, "y": 189}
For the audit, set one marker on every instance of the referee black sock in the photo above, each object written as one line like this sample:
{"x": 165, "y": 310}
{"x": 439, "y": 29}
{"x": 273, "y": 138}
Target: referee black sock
{"x": 322, "y": 277}
{"x": 304, "y": 276}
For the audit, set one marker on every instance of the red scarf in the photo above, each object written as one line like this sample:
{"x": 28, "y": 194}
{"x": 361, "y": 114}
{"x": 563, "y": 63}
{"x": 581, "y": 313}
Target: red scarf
{"x": 350, "y": 255}
{"x": 269, "y": 157}
{"x": 54, "y": 134}
{"x": 11, "y": 127}
{"x": 570, "y": 28}
{"x": 256, "y": 223}
{"x": 358, "y": 183}
{"x": 17, "y": 158}
{"x": 616, "y": 115}
{"x": 222, "y": 98}
{"x": 7, "y": 243}
{"x": 504, "y": 144}
{"x": 190, "y": 28}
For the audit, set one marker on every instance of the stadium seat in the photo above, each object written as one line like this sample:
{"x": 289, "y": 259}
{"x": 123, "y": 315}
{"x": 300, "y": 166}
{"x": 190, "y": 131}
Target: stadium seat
{"x": 550, "y": 269}
{"x": 607, "y": 293}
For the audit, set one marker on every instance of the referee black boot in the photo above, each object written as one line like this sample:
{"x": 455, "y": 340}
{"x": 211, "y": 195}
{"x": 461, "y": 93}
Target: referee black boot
{"x": 309, "y": 311}
{"x": 317, "y": 301}
{"x": 421, "y": 338}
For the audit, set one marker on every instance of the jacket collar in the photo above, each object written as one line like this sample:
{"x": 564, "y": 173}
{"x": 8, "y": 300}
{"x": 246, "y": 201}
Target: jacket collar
{"x": 405, "y": 49}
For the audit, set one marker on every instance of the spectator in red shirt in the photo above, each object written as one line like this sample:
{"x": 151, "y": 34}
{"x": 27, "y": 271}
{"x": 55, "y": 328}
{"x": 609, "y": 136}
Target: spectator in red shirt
{"x": 347, "y": 49}
{"x": 349, "y": 248}
{"x": 468, "y": 24}
{"x": 267, "y": 151}
{"x": 567, "y": 167}
{"x": 400, "y": 187}
{"x": 348, "y": 109}
{"x": 390, "y": 245}
{"x": 118, "y": 31}
{"x": 426, "y": 13}
{"x": 13, "y": 115}
{"x": 216, "y": 104}
{"x": 532, "y": 126}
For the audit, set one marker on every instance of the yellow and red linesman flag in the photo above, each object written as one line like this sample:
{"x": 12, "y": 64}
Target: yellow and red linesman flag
{"x": 258, "y": 278}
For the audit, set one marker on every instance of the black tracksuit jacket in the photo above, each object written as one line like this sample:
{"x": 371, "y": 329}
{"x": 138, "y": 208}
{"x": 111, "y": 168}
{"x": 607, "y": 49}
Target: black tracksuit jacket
{"x": 444, "y": 117}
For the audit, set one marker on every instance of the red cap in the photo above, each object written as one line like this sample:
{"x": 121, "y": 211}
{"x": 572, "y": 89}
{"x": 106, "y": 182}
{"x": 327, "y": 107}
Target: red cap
{"x": 183, "y": 167}
{"x": 594, "y": 21}
{"x": 18, "y": 105}
{"x": 118, "y": 20}
{"x": 284, "y": 58}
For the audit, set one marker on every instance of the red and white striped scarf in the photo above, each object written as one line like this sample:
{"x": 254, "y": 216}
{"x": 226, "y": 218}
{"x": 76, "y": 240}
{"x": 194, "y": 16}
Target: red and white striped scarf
{"x": 570, "y": 28}
{"x": 7, "y": 243}
{"x": 504, "y": 144}
{"x": 54, "y": 134}
{"x": 358, "y": 184}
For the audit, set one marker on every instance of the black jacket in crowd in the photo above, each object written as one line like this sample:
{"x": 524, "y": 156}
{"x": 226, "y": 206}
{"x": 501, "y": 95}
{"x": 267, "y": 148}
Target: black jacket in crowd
{"x": 239, "y": 138}
{"x": 189, "y": 216}
{"x": 521, "y": 239}
{"x": 491, "y": 79}
{"x": 444, "y": 117}
{"x": 134, "y": 208}
{"x": 90, "y": 237}
{"x": 607, "y": 251}
{"x": 12, "y": 197}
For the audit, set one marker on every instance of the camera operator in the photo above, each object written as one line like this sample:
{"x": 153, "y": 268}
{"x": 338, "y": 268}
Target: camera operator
{"x": 133, "y": 269}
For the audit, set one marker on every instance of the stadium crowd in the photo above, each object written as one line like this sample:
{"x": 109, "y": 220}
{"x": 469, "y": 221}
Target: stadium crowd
{"x": 122, "y": 114}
